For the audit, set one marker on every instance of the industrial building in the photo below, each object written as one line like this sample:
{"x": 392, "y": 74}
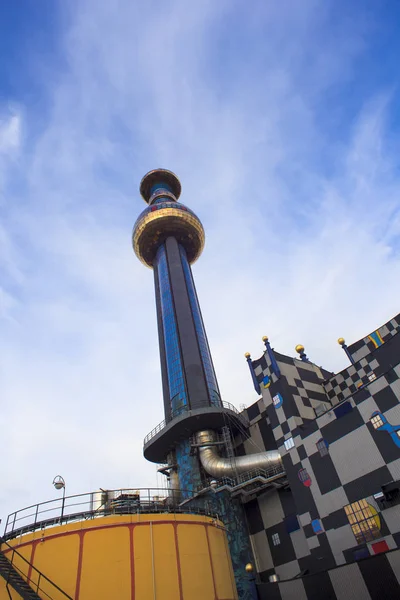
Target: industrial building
{"x": 296, "y": 496}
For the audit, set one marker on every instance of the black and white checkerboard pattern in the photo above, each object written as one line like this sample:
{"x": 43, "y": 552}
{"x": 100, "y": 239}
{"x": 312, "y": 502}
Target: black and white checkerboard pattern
{"x": 363, "y": 347}
{"x": 359, "y": 462}
{"x": 372, "y": 579}
{"x": 347, "y": 382}
{"x": 373, "y": 365}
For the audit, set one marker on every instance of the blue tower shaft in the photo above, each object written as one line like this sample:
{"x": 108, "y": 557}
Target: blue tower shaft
{"x": 189, "y": 379}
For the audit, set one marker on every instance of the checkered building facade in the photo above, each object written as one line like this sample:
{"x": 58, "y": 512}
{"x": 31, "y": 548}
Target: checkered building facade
{"x": 333, "y": 456}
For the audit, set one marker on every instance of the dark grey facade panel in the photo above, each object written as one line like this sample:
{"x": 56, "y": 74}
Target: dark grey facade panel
{"x": 287, "y": 501}
{"x": 267, "y": 434}
{"x": 374, "y": 578}
{"x": 338, "y": 428}
{"x": 319, "y": 587}
{"x": 254, "y": 518}
{"x": 283, "y": 552}
{"x": 325, "y": 472}
{"x": 335, "y": 519}
{"x": 386, "y": 398}
{"x": 253, "y": 411}
{"x": 322, "y": 554}
{"x": 367, "y": 485}
{"x": 380, "y": 580}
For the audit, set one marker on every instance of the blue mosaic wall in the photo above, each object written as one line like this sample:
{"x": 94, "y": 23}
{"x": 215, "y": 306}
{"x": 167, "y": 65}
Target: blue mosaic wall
{"x": 188, "y": 468}
{"x": 229, "y": 511}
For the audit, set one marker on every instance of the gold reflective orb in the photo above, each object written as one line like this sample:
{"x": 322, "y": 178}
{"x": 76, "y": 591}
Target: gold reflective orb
{"x": 299, "y": 349}
{"x": 265, "y": 338}
{"x": 247, "y": 354}
{"x": 153, "y": 227}
{"x": 341, "y": 341}
{"x": 249, "y": 568}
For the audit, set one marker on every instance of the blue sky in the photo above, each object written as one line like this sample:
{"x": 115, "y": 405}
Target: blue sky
{"x": 282, "y": 122}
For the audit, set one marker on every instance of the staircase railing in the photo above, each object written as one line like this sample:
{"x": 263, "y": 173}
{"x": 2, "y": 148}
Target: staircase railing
{"x": 37, "y": 581}
{"x": 222, "y": 404}
{"x": 92, "y": 505}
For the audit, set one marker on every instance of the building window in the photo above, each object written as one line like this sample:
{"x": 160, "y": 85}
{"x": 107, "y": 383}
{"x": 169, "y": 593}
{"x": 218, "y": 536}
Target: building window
{"x": 364, "y": 521}
{"x": 317, "y": 527}
{"x": 376, "y": 420}
{"x": 275, "y": 539}
{"x": 266, "y": 382}
{"x": 304, "y": 477}
{"x": 289, "y": 443}
{"x": 323, "y": 446}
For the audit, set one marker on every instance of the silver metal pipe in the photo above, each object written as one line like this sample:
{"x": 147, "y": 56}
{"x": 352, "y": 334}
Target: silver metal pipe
{"x": 219, "y": 467}
{"x": 234, "y": 490}
{"x": 174, "y": 486}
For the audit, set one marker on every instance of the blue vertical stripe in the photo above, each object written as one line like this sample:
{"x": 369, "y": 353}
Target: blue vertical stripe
{"x": 205, "y": 354}
{"x": 176, "y": 381}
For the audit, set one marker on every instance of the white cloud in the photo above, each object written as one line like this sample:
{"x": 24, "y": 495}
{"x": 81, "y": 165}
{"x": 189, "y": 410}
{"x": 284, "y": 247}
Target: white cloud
{"x": 10, "y": 133}
{"x": 302, "y": 224}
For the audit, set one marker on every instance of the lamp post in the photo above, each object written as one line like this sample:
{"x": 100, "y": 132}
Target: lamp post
{"x": 59, "y": 484}
{"x": 250, "y": 572}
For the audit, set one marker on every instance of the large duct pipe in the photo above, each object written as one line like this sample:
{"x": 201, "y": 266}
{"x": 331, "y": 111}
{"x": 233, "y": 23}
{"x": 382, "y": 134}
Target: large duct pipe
{"x": 174, "y": 486}
{"x": 219, "y": 467}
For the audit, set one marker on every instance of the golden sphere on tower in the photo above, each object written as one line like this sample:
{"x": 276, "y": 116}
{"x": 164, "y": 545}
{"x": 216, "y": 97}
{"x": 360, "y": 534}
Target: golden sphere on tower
{"x": 247, "y": 354}
{"x": 249, "y": 568}
{"x": 165, "y": 217}
{"x": 265, "y": 338}
{"x": 299, "y": 349}
{"x": 341, "y": 341}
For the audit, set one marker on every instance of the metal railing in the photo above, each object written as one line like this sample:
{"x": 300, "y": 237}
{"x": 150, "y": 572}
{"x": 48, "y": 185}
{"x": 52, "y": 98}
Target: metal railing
{"x": 33, "y": 577}
{"x": 184, "y": 410}
{"x": 93, "y": 505}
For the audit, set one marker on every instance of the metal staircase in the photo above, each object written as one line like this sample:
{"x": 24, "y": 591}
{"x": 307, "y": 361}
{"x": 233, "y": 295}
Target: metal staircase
{"x": 226, "y": 438}
{"x": 14, "y": 577}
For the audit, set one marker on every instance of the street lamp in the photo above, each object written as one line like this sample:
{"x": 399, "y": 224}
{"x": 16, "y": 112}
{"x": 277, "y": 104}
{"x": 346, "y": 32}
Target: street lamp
{"x": 59, "y": 484}
{"x": 251, "y": 577}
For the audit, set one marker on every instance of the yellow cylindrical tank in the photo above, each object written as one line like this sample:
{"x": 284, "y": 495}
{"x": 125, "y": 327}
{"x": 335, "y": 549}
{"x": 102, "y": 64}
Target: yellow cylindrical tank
{"x": 133, "y": 557}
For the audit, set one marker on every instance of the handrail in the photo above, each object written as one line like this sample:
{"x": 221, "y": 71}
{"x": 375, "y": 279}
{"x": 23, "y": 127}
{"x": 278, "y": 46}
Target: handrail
{"x": 93, "y": 505}
{"x": 182, "y": 410}
{"x": 32, "y": 568}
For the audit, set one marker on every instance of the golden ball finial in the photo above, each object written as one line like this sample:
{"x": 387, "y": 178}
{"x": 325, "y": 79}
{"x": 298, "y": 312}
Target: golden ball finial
{"x": 299, "y": 349}
{"x": 265, "y": 338}
{"x": 247, "y": 354}
{"x": 249, "y": 568}
{"x": 341, "y": 342}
